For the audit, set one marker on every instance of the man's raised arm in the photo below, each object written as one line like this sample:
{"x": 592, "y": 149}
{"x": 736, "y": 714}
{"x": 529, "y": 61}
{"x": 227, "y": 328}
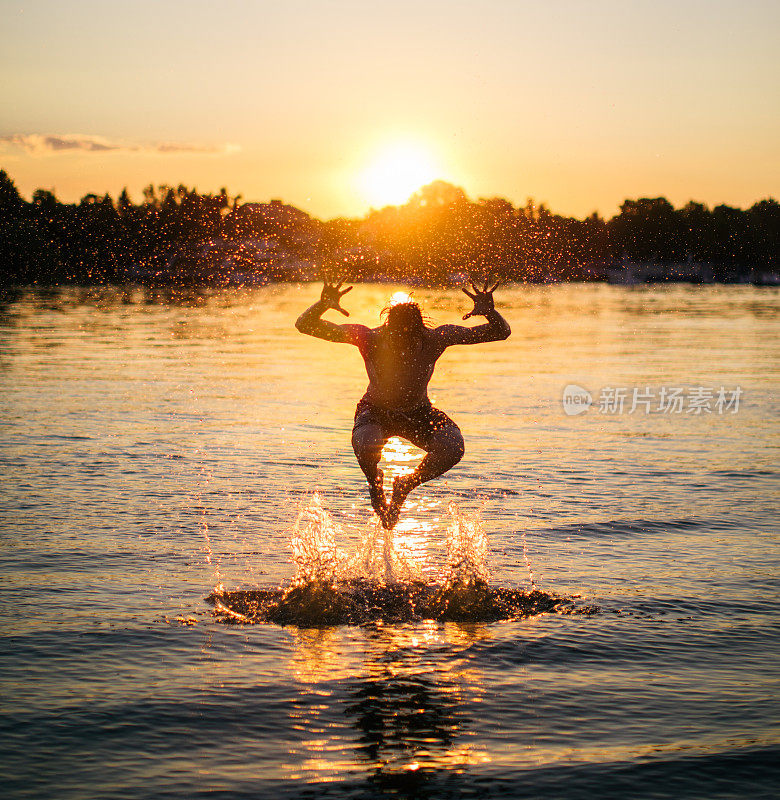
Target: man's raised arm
{"x": 311, "y": 322}
{"x": 495, "y": 329}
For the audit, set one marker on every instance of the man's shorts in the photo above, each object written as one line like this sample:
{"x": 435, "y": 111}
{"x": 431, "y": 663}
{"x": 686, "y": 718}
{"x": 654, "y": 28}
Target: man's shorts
{"x": 417, "y": 425}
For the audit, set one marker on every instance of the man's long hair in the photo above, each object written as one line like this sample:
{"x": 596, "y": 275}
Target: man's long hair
{"x": 404, "y": 320}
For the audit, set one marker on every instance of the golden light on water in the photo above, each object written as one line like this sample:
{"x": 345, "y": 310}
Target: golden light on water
{"x": 400, "y": 297}
{"x": 419, "y": 710}
{"x": 413, "y": 536}
{"x": 395, "y": 173}
{"x": 398, "y": 453}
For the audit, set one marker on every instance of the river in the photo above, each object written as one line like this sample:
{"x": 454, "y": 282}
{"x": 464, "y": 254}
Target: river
{"x": 158, "y": 445}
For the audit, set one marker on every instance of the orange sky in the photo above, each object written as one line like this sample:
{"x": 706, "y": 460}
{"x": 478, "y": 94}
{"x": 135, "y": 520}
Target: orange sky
{"x": 579, "y": 105}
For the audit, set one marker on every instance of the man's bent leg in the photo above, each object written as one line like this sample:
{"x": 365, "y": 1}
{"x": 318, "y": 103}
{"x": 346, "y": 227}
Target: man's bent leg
{"x": 445, "y": 449}
{"x": 367, "y": 442}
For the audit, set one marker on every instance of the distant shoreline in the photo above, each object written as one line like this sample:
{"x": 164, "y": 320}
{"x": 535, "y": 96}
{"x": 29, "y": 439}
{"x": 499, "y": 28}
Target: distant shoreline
{"x": 177, "y": 236}
{"x": 178, "y": 291}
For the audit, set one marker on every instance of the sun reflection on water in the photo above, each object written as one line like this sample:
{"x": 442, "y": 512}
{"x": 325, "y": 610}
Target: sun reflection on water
{"x": 413, "y": 536}
{"x": 409, "y": 716}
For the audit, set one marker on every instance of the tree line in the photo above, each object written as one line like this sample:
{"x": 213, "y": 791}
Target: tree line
{"x": 177, "y": 234}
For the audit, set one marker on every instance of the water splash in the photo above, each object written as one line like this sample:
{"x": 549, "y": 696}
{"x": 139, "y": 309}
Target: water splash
{"x": 316, "y": 557}
{"x": 359, "y": 602}
{"x": 527, "y": 560}
{"x": 380, "y": 559}
{"x": 204, "y": 478}
{"x": 380, "y": 581}
{"x": 467, "y": 549}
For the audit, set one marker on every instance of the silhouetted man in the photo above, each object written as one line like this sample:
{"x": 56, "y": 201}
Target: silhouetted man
{"x": 400, "y": 357}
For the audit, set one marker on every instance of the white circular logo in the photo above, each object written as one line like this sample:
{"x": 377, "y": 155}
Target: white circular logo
{"x": 576, "y": 400}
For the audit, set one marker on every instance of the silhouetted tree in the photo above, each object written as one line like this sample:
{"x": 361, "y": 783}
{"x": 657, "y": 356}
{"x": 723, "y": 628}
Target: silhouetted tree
{"x": 179, "y": 235}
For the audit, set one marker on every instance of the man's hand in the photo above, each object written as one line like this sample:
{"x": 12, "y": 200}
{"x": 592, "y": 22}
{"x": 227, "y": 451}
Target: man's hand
{"x": 483, "y": 299}
{"x": 332, "y": 294}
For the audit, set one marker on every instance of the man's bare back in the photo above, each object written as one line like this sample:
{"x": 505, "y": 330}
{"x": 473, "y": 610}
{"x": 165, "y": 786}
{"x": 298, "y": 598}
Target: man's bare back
{"x": 400, "y": 357}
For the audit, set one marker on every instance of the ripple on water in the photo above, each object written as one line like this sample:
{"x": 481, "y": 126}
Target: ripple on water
{"x": 358, "y": 601}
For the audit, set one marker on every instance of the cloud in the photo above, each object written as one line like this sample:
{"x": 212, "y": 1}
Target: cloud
{"x": 45, "y": 144}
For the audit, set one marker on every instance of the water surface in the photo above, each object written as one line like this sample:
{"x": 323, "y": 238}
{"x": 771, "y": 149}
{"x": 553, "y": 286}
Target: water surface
{"x": 156, "y": 446}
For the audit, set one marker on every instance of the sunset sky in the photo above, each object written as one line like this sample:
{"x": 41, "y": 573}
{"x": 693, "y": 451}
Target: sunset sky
{"x": 338, "y": 106}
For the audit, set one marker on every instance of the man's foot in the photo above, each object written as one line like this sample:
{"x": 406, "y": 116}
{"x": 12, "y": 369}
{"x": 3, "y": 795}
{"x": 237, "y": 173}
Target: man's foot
{"x": 401, "y": 488}
{"x": 378, "y": 499}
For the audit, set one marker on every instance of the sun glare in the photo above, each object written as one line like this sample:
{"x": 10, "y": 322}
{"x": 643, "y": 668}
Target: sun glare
{"x": 400, "y": 297}
{"x": 396, "y": 173}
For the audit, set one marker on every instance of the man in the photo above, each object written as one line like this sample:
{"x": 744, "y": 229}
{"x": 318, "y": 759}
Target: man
{"x": 400, "y": 357}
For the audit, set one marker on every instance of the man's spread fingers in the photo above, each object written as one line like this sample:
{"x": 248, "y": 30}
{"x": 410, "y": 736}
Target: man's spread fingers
{"x": 470, "y": 314}
{"x": 468, "y": 293}
{"x": 345, "y": 313}
{"x": 348, "y": 289}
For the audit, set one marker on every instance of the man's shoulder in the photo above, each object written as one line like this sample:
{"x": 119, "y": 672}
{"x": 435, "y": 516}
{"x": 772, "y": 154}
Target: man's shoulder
{"x": 372, "y": 333}
{"x": 441, "y": 332}
{"x": 439, "y": 337}
{"x": 360, "y": 335}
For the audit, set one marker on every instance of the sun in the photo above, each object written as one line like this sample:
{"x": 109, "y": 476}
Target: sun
{"x": 396, "y": 172}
